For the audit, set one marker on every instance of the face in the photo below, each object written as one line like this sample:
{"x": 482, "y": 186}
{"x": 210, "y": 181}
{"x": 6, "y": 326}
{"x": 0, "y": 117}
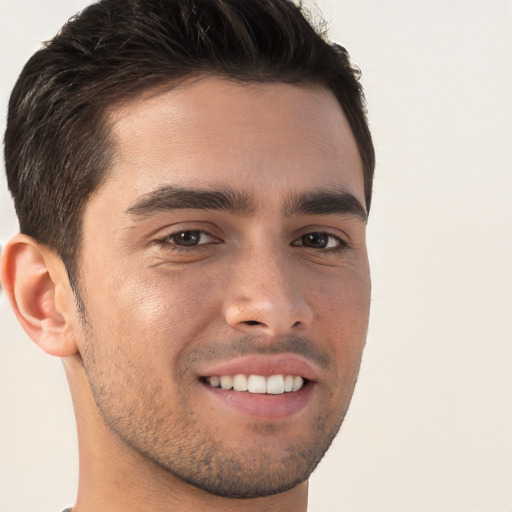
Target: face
{"x": 225, "y": 281}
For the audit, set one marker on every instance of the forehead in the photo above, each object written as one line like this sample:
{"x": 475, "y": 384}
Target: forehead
{"x": 212, "y": 132}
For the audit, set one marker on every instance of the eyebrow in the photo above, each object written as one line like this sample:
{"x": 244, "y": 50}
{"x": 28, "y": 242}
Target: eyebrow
{"x": 325, "y": 202}
{"x": 174, "y": 198}
{"x": 320, "y": 202}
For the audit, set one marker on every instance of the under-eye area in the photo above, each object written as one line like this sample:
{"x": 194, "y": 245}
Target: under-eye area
{"x": 258, "y": 384}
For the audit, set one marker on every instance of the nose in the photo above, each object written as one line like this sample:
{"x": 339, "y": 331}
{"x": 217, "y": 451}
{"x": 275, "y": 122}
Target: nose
{"x": 266, "y": 295}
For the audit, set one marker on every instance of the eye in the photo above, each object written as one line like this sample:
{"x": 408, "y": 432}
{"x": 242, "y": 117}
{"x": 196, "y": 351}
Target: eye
{"x": 190, "y": 238}
{"x": 319, "y": 240}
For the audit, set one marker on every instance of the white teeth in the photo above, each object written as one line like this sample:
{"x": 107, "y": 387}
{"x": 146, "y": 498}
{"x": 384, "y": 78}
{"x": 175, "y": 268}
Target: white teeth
{"x": 240, "y": 382}
{"x": 226, "y": 382}
{"x": 288, "y": 383}
{"x": 256, "y": 384}
{"x": 273, "y": 385}
{"x": 298, "y": 382}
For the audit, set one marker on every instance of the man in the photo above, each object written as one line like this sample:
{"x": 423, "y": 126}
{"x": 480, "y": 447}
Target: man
{"x": 192, "y": 181}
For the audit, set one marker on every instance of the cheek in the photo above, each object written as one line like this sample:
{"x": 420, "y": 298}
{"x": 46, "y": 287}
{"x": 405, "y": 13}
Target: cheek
{"x": 342, "y": 301}
{"x": 151, "y": 313}
{"x": 342, "y": 313}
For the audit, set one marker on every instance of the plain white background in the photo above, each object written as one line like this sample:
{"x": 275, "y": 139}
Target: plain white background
{"x": 430, "y": 426}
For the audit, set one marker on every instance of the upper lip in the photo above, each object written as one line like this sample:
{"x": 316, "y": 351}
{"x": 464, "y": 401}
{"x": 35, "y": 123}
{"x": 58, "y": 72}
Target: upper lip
{"x": 265, "y": 365}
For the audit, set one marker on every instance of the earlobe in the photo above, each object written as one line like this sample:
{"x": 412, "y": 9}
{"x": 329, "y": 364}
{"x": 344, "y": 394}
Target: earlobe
{"x": 33, "y": 280}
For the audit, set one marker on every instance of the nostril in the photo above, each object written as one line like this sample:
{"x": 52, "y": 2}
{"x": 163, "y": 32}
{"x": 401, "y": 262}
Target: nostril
{"x": 252, "y": 322}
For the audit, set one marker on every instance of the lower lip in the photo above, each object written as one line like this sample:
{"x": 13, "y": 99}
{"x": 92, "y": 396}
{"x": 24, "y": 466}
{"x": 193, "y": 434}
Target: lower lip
{"x": 264, "y": 406}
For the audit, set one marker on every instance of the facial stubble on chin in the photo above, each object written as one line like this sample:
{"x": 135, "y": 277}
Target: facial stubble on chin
{"x": 182, "y": 445}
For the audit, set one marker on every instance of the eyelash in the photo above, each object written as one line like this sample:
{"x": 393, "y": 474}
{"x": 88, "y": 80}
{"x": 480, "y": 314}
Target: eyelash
{"x": 341, "y": 245}
{"x": 168, "y": 244}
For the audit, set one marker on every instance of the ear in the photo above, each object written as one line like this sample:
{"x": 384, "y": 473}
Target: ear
{"x": 35, "y": 280}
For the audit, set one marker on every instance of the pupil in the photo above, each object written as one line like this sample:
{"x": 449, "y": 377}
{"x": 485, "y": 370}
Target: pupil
{"x": 316, "y": 240}
{"x": 187, "y": 238}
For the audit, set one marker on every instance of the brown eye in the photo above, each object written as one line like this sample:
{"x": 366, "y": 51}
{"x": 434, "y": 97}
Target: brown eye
{"x": 319, "y": 240}
{"x": 190, "y": 238}
{"x": 315, "y": 240}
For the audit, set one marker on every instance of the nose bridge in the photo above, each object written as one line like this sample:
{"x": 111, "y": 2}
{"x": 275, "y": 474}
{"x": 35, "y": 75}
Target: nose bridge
{"x": 265, "y": 293}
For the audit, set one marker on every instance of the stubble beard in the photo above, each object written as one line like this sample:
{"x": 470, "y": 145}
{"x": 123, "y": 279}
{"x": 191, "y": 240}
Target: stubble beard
{"x": 185, "y": 447}
{"x": 207, "y": 463}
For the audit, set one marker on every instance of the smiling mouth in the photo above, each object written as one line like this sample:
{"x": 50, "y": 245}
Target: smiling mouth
{"x": 258, "y": 384}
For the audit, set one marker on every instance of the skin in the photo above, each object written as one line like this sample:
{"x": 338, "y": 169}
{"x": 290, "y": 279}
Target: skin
{"x": 159, "y": 315}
